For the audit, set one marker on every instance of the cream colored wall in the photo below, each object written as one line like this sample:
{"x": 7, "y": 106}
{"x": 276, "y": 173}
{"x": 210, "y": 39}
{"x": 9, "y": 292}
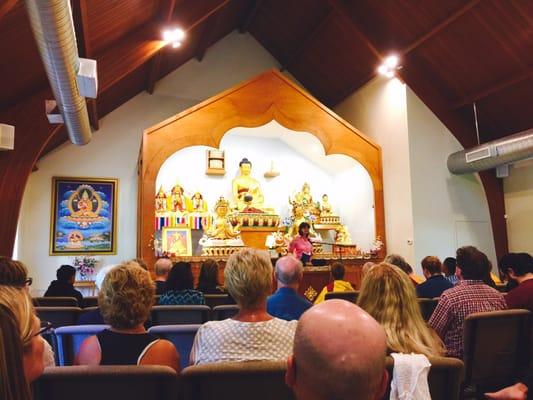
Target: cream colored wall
{"x": 379, "y": 110}
{"x": 114, "y": 149}
{"x": 428, "y": 211}
{"x": 518, "y": 191}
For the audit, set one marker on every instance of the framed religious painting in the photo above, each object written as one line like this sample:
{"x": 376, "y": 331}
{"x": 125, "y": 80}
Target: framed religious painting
{"x": 84, "y": 216}
{"x": 177, "y": 242}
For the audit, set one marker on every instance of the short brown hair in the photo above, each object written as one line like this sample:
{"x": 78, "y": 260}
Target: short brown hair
{"x": 432, "y": 264}
{"x": 126, "y": 296}
{"x": 337, "y": 270}
{"x": 12, "y": 273}
{"x": 473, "y": 263}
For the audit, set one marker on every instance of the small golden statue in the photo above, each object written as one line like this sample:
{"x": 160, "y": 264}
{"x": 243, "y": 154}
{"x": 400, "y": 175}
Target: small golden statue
{"x": 342, "y": 236}
{"x": 197, "y": 203}
{"x": 222, "y": 228}
{"x": 305, "y": 200}
{"x": 177, "y": 200}
{"x": 161, "y": 201}
{"x": 247, "y": 190}
{"x": 299, "y": 217}
{"x": 326, "y": 210}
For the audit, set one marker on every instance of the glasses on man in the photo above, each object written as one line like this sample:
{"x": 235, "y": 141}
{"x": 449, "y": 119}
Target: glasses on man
{"x": 46, "y": 327}
{"x": 28, "y": 281}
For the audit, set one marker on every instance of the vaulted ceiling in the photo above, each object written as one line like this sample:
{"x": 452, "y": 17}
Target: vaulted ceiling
{"x": 453, "y": 52}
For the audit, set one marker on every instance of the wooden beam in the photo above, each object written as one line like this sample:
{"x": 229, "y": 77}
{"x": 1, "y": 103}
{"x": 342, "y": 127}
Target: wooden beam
{"x": 6, "y": 7}
{"x": 440, "y": 26}
{"x": 491, "y": 89}
{"x": 92, "y": 108}
{"x": 309, "y": 39}
{"x": 80, "y": 18}
{"x": 210, "y": 28}
{"x": 341, "y": 10}
{"x": 166, "y": 10}
{"x": 153, "y": 72}
{"x": 255, "y": 5}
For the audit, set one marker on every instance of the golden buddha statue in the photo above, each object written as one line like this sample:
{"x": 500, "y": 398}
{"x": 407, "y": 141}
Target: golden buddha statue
{"x": 326, "y": 209}
{"x": 161, "y": 201}
{"x": 299, "y": 217}
{"x": 305, "y": 199}
{"x": 342, "y": 236}
{"x": 246, "y": 190}
{"x": 197, "y": 203}
{"x": 222, "y": 228}
{"x": 177, "y": 200}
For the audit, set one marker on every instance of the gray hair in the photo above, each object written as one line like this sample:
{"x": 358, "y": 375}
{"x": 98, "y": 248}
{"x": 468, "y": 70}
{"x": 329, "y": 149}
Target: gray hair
{"x": 288, "y": 270}
{"x": 162, "y": 266}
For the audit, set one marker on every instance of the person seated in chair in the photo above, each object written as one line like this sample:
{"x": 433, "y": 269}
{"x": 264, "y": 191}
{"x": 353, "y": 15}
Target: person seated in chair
{"x": 161, "y": 268}
{"x": 435, "y": 282}
{"x": 64, "y": 285}
{"x": 208, "y": 278}
{"x": 286, "y": 303}
{"x": 338, "y": 284}
{"x": 125, "y": 301}
{"x": 349, "y": 366}
{"x": 518, "y": 267}
{"x": 180, "y": 290}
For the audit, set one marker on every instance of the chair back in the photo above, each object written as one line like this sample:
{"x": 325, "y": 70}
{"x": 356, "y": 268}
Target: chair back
{"x": 213, "y": 300}
{"x": 427, "y": 306}
{"x": 258, "y": 380}
{"x": 180, "y": 315}
{"x": 350, "y": 296}
{"x": 495, "y": 344}
{"x": 55, "y": 302}
{"x": 224, "y": 312}
{"x": 132, "y": 382}
{"x": 182, "y": 336}
{"x": 91, "y": 301}
{"x": 70, "y": 338}
{"x": 444, "y": 378}
{"x": 59, "y": 316}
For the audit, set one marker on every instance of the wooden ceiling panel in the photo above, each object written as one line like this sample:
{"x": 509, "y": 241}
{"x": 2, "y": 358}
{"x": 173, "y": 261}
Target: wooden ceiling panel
{"x": 394, "y": 24}
{"x": 187, "y": 12}
{"x": 111, "y": 20}
{"x": 21, "y": 69}
{"x": 335, "y": 59}
{"x": 282, "y": 27}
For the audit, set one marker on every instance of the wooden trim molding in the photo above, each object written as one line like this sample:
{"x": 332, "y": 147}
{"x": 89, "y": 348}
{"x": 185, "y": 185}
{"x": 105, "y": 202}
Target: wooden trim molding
{"x": 266, "y": 97}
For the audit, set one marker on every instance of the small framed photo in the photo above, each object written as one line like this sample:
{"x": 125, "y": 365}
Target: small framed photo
{"x": 177, "y": 241}
{"x": 83, "y": 216}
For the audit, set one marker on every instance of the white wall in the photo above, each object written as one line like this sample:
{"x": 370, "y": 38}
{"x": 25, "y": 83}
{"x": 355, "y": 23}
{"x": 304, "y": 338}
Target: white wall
{"x": 518, "y": 191}
{"x": 114, "y": 149}
{"x": 423, "y": 201}
{"x": 379, "y": 110}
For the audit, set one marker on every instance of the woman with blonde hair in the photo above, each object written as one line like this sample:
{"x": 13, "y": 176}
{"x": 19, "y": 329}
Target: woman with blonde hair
{"x": 125, "y": 301}
{"x": 388, "y": 295}
{"x": 252, "y": 334}
{"x": 21, "y": 346}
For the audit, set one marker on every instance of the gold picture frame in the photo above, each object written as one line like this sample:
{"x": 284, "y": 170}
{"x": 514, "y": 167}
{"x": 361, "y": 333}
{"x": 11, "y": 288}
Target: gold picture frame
{"x": 177, "y": 241}
{"x": 83, "y": 217}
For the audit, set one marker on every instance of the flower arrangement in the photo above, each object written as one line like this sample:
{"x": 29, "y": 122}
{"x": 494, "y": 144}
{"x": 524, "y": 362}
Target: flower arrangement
{"x": 85, "y": 266}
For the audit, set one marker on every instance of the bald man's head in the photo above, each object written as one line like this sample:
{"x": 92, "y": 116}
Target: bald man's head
{"x": 339, "y": 353}
{"x": 289, "y": 271}
{"x": 162, "y": 267}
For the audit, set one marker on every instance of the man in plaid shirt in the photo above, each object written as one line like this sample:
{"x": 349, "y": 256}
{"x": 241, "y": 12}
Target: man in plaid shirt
{"x": 470, "y": 295}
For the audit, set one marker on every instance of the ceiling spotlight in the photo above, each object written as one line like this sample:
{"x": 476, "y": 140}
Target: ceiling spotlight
{"x": 174, "y": 36}
{"x": 389, "y": 66}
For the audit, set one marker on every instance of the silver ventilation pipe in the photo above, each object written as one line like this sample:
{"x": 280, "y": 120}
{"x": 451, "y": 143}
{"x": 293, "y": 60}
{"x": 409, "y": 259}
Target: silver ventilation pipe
{"x": 52, "y": 26}
{"x": 492, "y": 154}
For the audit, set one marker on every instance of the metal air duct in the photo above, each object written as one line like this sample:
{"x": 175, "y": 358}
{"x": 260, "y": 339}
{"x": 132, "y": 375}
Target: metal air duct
{"x": 51, "y": 23}
{"x": 492, "y": 154}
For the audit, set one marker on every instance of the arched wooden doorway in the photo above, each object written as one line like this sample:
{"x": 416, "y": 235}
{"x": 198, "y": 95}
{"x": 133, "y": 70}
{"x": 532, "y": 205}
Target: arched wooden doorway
{"x": 269, "y": 96}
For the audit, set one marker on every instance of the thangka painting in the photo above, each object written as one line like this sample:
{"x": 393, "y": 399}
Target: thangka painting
{"x": 177, "y": 241}
{"x": 84, "y": 214}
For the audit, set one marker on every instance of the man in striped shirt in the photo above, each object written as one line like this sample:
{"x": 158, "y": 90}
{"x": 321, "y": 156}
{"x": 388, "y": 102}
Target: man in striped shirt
{"x": 469, "y": 296}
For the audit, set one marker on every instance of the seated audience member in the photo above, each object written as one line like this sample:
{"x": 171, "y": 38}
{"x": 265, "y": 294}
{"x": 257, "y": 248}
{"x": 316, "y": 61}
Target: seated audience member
{"x": 64, "y": 285}
{"x": 435, "y": 282}
{"x": 516, "y": 392}
{"x": 518, "y": 267}
{"x": 366, "y": 268}
{"x": 339, "y": 353}
{"x": 252, "y": 334}
{"x": 208, "y": 278}
{"x": 161, "y": 268}
{"x": 469, "y": 295}
{"x": 14, "y": 273}
{"x": 388, "y": 295}
{"x": 400, "y": 262}
{"x": 286, "y": 303}
{"x": 180, "y": 287}
{"x": 141, "y": 263}
{"x": 338, "y": 284}
{"x": 448, "y": 269}
{"x": 125, "y": 300}
{"x": 21, "y": 345}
